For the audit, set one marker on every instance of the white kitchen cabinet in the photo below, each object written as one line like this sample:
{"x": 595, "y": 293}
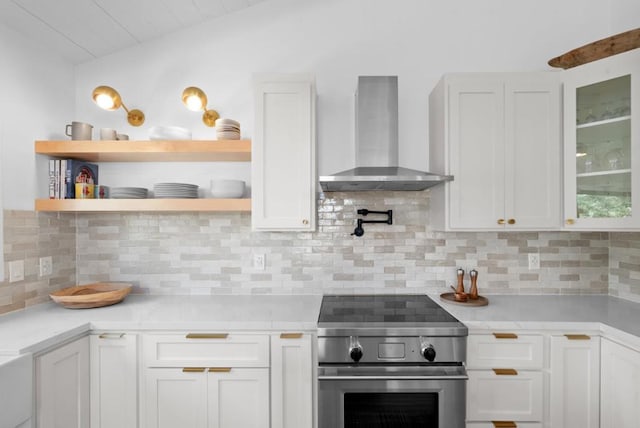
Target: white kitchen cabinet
{"x": 291, "y": 381}
{"x": 208, "y": 379}
{"x": 238, "y": 398}
{"x": 283, "y": 165}
{"x": 62, "y": 386}
{"x": 602, "y": 144}
{"x": 620, "y": 386}
{"x": 575, "y": 381}
{"x": 499, "y": 135}
{"x": 197, "y": 397}
{"x": 504, "y": 395}
{"x": 175, "y": 398}
{"x": 114, "y": 380}
{"x": 505, "y": 378}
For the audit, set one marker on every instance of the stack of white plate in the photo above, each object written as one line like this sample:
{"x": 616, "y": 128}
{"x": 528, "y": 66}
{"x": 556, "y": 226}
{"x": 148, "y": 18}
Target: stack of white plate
{"x": 175, "y": 191}
{"x": 128, "y": 193}
{"x": 227, "y": 129}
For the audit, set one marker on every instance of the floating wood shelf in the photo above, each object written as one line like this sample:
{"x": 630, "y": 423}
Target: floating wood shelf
{"x": 149, "y": 151}
{"x": 140, "y": 205}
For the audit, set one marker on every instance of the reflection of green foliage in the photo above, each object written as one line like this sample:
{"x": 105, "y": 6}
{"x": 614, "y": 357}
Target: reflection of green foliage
{"x": 598, "y": 206}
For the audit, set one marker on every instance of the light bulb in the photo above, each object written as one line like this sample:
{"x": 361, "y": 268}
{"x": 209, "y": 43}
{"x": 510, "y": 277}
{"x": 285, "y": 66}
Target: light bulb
{"x": 194, "y": 103}
{"x": 104, "y": 101}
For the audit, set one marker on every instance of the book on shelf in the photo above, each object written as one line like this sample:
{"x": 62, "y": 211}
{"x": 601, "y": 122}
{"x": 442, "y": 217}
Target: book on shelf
{"x": 65, "y": 173}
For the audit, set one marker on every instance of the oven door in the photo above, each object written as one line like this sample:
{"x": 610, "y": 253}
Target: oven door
{"x": 391, "y": 396}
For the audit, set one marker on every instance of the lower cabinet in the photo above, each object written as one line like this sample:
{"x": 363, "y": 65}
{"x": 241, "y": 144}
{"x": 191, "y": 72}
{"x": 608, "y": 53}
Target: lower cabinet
{"x": 620, "y": 393}
{"x": 291, "y": 381}
{"x": 575, "y": 381}
{"x": 198, "y": 397}
{"x": 227, "y": 380}
{"x": 114, "y": 380}
{"x": 62, "y": 386}
{"x": 505, "y": 387}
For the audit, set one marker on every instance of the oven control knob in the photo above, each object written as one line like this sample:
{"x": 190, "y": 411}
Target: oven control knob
{"x": 429, "y": 353}
{"x": 355, "y": 352}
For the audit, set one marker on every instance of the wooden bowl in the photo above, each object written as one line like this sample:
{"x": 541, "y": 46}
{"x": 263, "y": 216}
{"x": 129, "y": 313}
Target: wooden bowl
{"x": 91, "y": 295}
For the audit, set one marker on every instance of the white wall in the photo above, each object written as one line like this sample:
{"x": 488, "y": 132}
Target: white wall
{"x": 36, "y": 101}
{"x": 337, "y": 40}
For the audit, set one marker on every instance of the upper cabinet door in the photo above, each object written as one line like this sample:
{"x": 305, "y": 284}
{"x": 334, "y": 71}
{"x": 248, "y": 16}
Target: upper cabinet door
{"x": 602, "y": 143}
{"x": 476, "y": 125}
{"x": 283, "y": 154}
{"x": 498, "y": 134}
{"x": 533, "y": 152}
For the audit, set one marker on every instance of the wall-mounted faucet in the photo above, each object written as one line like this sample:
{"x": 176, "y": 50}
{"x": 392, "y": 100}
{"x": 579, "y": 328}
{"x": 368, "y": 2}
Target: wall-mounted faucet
{"x": 359, "y": 231}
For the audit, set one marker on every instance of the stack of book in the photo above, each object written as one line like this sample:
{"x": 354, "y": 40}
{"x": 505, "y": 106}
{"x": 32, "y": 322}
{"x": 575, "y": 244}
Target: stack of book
{"x": 65, "y": 173}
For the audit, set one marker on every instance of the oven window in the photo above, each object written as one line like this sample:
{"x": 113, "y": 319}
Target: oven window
{"x": 391, "y": 410}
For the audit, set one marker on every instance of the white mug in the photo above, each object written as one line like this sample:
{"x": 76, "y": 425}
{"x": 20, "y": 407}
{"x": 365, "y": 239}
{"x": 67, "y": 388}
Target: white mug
{"x": 108, "y": 134}
{"x": 79, "y": 131}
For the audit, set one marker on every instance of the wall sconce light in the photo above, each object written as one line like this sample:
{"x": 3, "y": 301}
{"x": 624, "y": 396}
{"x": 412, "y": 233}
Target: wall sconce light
{"x": 195, "y": 99}
{"x": 109, "y": 99}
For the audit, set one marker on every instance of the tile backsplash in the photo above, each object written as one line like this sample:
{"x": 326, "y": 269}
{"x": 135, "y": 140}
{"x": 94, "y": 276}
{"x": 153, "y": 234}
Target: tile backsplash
{"x": 28, "y": 236}
{"x": 211, "y": 253}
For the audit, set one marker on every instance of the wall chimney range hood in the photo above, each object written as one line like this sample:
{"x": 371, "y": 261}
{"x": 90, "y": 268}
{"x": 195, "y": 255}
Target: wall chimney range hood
{"x": 377, "y": 144}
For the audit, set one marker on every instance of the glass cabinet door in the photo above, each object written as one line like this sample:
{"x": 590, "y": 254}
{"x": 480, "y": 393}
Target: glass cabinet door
{"x": 603, "y": 149}
{"x": 601, "y": 144}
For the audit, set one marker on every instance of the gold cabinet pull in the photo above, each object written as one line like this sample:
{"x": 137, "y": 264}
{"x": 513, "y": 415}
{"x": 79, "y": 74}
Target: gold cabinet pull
{"x": 577, "y": 337}
{"x": 193, "y": 370}
{"x": 290, "y": 335}
{"x": 112, "y": 336}
{"x": 505, "y": 335}
{"x": 305, "y": 222}
{"x": 207, "y": 335}
{"x": 504, "y": 424}
{"x": 570, "y": 221}
{"x": 505, "y": 372}
{"x": 500, "y": 221}
{"x": 511, "y": 221}
{"x": 219, "y": 369}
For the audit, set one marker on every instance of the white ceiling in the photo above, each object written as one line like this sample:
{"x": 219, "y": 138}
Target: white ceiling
{"x": 81, "y": 30}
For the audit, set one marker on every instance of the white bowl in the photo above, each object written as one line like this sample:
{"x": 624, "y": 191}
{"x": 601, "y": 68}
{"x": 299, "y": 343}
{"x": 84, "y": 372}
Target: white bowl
{"x": 227, "y": 188}
{"x": 169, "y": 133}
{"x": 228, "y": 135}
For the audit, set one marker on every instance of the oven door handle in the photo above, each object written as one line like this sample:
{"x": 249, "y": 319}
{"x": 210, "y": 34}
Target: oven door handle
{"x": 394, "y": 377}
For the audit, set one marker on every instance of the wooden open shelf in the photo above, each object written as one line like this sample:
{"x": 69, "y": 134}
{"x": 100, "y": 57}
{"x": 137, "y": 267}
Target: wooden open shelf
{"x": 139, "y": 205}
{"x": 149, "y": 151}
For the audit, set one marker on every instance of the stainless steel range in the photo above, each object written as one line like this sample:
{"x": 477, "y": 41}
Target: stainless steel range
{"x": 387, "y": 361}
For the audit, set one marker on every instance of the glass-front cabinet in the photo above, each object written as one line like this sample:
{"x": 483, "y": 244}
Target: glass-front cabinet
{"x": 602, "y": 144}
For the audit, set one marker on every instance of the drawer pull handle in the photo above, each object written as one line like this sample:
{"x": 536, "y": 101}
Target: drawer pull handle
{"x": 504, "y": 424}
{"x": 193, "y": 370}
{"x": 290, "y": 335}
{"x": 111, "y": 336}
{"x": 505, "y": 372}
{"x": 511, "y": 221}
{"x": 505, "y": 335}
{"x": 500, "y": 221}
{"x": 219, "y": 369}
{"x": 207, "y": 335}
{"x": 577, "y": 337}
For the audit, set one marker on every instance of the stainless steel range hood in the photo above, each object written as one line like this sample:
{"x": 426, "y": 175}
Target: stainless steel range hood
{"x": 377, "y": 144}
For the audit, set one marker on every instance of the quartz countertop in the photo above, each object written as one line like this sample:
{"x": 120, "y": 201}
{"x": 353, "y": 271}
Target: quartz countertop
{"x": 36, "y": 328}
{"x": 598, "y": 313}
{"x": 39, "y": 327}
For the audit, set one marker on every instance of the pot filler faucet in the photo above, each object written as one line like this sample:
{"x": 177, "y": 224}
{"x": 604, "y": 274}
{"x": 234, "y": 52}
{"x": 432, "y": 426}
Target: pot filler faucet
{"x": 359, "y": 231}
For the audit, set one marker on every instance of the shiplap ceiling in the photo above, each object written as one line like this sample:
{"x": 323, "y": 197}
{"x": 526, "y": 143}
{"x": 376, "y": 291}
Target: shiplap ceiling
{"x": 81, "y": 30}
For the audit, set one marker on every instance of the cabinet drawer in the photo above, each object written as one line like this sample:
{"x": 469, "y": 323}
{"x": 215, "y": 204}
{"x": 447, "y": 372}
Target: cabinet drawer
{"x": 493, "y": 397}
{"x": 206, "y": 350}
{"x": 485, "y": 351}
{"x": 498, "y": 425}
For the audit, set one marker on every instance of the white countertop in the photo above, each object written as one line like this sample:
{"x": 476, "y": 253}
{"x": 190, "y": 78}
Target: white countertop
{"x": 37, "y": 328}
{"x": 41, "y": 326}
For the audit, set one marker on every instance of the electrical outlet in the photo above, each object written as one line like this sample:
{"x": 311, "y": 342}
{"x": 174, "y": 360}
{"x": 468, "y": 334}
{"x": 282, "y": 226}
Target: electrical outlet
{"x": 46, "y": 266}
{"x": 259, "y": 261}
{"x": 534, "y": 261}
{"x": 16, "y": 271}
